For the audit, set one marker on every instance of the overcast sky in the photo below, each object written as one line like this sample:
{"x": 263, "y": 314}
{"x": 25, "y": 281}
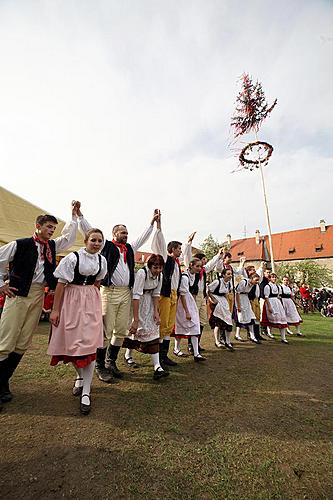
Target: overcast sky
{"x": 126, "y": 105}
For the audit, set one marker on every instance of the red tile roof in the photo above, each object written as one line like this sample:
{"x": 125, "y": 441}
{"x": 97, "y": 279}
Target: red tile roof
{"x": 300, "y": 244}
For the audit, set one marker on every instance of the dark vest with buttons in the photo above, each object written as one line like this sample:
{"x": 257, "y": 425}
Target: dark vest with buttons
{"x": 112, "y": 254}
{"x": 22, "y": 268}
{"x": 217, "y": 289}
{"x": 284, "y": 295}
{"x": 252, "y": 293}
{"x": 262, "y": 285}
{"x": 81, "y": 279}
{"x": 169, "y": 267}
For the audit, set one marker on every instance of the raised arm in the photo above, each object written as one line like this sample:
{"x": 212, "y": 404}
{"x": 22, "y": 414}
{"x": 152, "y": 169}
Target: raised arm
{"x": 68, "y": 234}
{"x": 158, "y": 244}
{"x": 213, "y": 262}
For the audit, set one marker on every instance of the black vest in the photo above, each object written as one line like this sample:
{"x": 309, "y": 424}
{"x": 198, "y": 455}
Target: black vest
{"x": 285, "y": 295}
{"x": 252, "y": 293}
{"x": 194, "y": 289}
{"x": 80, "y": 279}
{"x": 112, "y": 255}
{"x": 22, "y": 268}
{"x": 169, "y": 267}
{"x": 217, "y": 289}
{"x": 262, "y": 285}
{"x": 271, "y": 294}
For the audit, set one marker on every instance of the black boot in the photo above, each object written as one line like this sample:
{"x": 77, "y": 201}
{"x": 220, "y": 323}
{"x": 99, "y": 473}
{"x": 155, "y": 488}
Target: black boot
{"x": 164, "y": 353}
{"x": 256, "y": 330}
{"x": 7, "y": 368}
{"x": 102, "y": 373}
{"x": 110, "y": 360}
{"x": 201, "y": 349}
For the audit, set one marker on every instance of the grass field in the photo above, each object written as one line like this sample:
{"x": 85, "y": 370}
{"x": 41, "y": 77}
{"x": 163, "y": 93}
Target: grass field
{"x": 253, "y": 424}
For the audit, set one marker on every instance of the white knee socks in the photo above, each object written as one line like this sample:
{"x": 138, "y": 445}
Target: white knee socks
{"x": 283, "y": 334}
{"x": 177, "y": 345}
{"x": 79, "y": 378}
{"x": 156, "y": 361}
{"x": 217, "y": 335}
{"x": 227, "y": 337}
{"x": 251, "y": 331}
{"x": 195, "y": 344}
{"x": 237, "y": 334}
{"x": 87, "y": 374}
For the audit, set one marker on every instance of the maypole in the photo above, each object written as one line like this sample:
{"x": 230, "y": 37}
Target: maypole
{"x": 251, "y": 110}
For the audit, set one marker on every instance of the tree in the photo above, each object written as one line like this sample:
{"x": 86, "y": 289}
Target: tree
{"x": 307, "y": 271}
{"x": 210, "y": 246}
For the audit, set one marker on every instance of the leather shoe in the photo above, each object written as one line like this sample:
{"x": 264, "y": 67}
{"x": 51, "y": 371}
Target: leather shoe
{"x": 158, "y": 374}
{"x": 85, "y": 409}
{"x": 104, "y": 375}
{"x": 111, "y": 365}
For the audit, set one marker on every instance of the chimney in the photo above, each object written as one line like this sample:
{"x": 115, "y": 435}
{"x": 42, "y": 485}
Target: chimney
{"x": 229, "y": 239}
{"x": 322, "y": 225}
{"x": 257, "y": 236}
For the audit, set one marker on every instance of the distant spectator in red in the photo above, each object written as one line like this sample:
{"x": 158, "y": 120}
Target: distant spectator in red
{"x": 305, "y": 292}
{"x": 47, "y": 305}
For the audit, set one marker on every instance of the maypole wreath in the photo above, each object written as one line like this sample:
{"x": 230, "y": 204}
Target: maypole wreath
{"x": 251, "y": 110}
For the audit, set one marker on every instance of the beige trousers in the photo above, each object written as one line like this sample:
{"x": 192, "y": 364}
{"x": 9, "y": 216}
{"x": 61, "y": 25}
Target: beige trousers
{"x": 116, "y": 310}
{"x": 202, "y": 308}
{"x": 19, "y": 320}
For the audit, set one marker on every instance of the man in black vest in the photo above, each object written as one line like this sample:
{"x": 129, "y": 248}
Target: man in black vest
{"x": 117, "y": 296}
{"x": 31, "y": 263}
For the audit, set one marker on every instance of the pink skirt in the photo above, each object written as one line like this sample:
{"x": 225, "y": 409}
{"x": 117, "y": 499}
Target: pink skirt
{"x": 80, "y": 329}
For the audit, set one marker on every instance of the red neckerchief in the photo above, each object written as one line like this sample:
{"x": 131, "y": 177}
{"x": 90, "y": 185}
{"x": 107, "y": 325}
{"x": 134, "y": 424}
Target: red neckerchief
{"x": 46, "y": 250}
{"x": 202, "y": 271}
{"x": 177, "y": 261}
{"x": 122, "y": 248}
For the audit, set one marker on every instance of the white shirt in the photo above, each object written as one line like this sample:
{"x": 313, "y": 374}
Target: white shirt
{"x": 121, "y": 275}
{"x": 62, "y": 243}
{"x": 150, "y": 283}
{"x": 88, "y": 266}
{"x": 271, "y": 287}
{"x": 159, "y": 247}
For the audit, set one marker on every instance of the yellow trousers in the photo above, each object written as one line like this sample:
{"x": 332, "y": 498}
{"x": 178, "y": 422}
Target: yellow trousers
{"x": 230, "y": 299}
{"x": 116, "y": 310}
{"x": 168, "y": 308}
{"x": 19, "y": 320}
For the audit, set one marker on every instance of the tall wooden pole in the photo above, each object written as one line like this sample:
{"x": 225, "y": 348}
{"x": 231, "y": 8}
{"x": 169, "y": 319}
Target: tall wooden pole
{"x": 267, "y": 214}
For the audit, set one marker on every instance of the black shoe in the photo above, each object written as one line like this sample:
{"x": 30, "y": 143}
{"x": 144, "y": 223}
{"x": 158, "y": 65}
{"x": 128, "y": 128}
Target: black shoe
{"x": 160, "y": 374}
{"x": 199, "y": 359}
{"x": 111, "y": 365}
{"x": 284, "y": 341}
{"x": 104, "y": 375}
{"x": 130, "y": 362}
{"x": 85, "y": 409}
{"x": 229, "y": 347}
{"x": 201, "y": 349}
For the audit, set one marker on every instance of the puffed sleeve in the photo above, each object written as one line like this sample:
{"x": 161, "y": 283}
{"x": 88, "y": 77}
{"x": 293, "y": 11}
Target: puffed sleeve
{"x": 104, "y": 269}
{"x": 157, "y": 291}
{"x": 241, "y": 286}
{"x": 267, "y": 291}
{"x": 65, "y": 270}
{"x": 184, "y": 285}
{"x": 139, "y": 284}
{"x": 212, "y": 286}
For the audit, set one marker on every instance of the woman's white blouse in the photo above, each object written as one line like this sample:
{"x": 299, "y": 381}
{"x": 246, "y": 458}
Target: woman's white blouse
{"x": 150, "y": 283}
{"x": 267, "y": 290}
{"x": 88, "y": 266}
{"x": 187, "y": 280}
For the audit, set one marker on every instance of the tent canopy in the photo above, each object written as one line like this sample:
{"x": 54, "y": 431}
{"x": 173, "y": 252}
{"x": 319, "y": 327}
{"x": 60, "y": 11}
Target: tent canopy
{"x": 17, "y": 219}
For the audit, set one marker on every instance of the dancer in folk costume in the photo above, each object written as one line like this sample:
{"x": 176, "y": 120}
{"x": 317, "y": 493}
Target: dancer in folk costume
{"x": 31, "y": 263}
{"x": 76, "y": 318}
{"x": 225, "y": 263}
{"x": 220, "y": 319}
{"x": 200, "y": 286}
{"x": 287, "y": 297}
{"x": 254, "y": 297}
{"x": 273, "y": 314}
{"x": 246, "y": 317}
{"x": 265, "y": 330}
{"x": 146, "y": 320}
{"x": 171, "y": 281}
{"x": 117, "y": 296}
{"x": 187, "y": 317}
